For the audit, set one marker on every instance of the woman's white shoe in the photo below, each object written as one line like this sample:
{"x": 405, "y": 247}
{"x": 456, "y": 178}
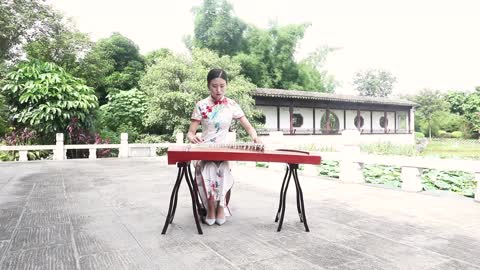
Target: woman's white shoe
{"x": 210, "y": 221}
{"x": 220, "y": 221}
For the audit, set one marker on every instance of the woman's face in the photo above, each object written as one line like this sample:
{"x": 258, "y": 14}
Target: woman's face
{"x": 217, "y": 88}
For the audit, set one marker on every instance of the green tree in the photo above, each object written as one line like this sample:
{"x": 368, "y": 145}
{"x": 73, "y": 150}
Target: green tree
{"x": 471, "y": 109}
{"x": 65, "y": 47}
{"x": 312, "y": 73}
{"x": 430, "y": 103}
{"x": 268, "y": 58}
{"x": 217, "y": 29}
{"x": 113, "y": 64}
{"x": 456, "y": 99}
{"x": 125, "y": 108}
{"x": 374, "y": 82}
{"x": 3, "y": 116}
{"x": 176, "y": 83}
{"x": 153, "y": 57}
{"x": 21, "y": 21}
{"x": 44, "y": 97}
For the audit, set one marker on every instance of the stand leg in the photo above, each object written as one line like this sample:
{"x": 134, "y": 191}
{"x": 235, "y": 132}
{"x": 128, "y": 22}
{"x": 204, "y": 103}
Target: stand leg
{"x": 281, "y": 196}
{"x": 299, "y": 209}
{"x": 283, "y": 201}
{"x": 201, "y": 209}
{"x": 194, "y": 195}
{"x": 183, "y": 171}
{"x": 171, "y": 211}
{"x": 300, "y": 194}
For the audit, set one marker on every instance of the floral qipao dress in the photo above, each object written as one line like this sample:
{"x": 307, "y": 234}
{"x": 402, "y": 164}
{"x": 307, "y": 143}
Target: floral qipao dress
{"x": 214, "y": 178}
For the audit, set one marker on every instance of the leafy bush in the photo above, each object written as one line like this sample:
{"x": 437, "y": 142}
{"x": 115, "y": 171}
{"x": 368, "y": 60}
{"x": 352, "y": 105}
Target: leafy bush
{"x": 380, "y": 174}
{"x": 456, "y": 181}
{"x": 130, "y": 129}
{"x": 450, "y": 121}
{"x": 329, "y": 168}
{"x": 7, "y": 156}
{"x": 78, "y": 135}
{"x": 441, "y": 133}
{"x": 147, "y": 138}
{"x": 45, "y": 97}
{"x": 125, "y": 110}
{"x": 457, "y": 134}
{"x": 3, "y": 116}
{"x": 261, "y": 164}
{"x": 23, "y": 136}
{"x": 419, "y": 135}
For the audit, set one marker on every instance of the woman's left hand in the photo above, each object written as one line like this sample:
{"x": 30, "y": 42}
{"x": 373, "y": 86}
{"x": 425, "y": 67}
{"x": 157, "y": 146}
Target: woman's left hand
{"x": 257, "y": 140}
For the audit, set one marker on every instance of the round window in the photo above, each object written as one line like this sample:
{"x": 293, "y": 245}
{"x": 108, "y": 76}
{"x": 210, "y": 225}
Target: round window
{"x": 383, "y": 122}
{"x": 334, "y": 122}
{"x": 297, "y": 120}
{"x": 358, "y": 121}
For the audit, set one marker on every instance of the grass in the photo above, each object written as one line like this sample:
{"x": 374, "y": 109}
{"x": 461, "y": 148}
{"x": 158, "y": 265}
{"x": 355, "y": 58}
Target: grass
{"x": 388, "y": 148}
{"x": 451, "y": 148}
{"x": 442, "y": 148}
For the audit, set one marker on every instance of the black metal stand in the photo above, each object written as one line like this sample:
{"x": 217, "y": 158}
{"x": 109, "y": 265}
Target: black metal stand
{"x": 183, "y": 170}
{"x": 291, "y": 170}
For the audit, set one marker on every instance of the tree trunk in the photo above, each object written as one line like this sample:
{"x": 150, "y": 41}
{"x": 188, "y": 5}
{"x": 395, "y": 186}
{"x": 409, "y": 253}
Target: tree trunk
{"x": 430, "y": 129}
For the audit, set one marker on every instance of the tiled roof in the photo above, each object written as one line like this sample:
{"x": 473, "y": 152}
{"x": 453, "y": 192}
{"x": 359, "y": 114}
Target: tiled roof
{"x": 295, "y": 94}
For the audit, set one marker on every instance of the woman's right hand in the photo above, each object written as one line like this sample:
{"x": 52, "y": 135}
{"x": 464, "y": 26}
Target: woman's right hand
{"x": 192, "y": 132}
{"x": 194, "y": 138}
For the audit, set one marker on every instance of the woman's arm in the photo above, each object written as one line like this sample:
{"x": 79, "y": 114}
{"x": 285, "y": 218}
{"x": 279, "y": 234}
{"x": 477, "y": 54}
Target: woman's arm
{"x": 249, "y": 128}
{"x": 191, "y": 135}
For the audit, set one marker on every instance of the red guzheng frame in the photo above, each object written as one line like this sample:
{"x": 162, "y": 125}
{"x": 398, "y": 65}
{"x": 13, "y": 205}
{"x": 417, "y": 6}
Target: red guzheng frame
{"x": 183, "y": 155}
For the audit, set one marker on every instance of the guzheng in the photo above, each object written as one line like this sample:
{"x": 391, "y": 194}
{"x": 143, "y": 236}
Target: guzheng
{"x": 239, "y": 152}
{"x": 182, "y": 155}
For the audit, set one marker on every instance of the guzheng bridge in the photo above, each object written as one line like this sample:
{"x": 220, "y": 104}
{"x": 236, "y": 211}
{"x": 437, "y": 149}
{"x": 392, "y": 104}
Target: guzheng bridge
{"x": 109, "y": 214}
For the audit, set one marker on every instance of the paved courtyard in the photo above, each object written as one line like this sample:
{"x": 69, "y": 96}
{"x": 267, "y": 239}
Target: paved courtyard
{"x": 108, "y": 214}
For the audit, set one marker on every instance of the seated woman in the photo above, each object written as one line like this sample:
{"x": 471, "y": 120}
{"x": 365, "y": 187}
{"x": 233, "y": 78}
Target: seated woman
{"x": 215, "y": 113}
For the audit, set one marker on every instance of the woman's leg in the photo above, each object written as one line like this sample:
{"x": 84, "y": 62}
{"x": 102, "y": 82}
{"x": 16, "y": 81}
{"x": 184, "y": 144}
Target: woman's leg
{"x": 220, "y": 212}
{"x": 211, "y": 213}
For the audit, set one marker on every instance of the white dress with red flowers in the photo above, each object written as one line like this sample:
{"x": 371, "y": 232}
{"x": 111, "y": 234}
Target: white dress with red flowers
{"x": 214, "y": 179}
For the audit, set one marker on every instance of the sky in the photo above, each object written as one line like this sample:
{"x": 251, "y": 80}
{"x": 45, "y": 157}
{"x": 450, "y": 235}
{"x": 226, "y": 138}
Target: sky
{"x": 431, "y": 44}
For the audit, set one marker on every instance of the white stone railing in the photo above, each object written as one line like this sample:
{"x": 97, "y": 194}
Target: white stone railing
{"x": 125, "y": 149}
{"x": 351, "y": 162}
{"x": 350, "y": 158}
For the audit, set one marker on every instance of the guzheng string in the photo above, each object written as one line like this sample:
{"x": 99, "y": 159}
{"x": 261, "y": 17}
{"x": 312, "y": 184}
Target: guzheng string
{"x": 237, "y": 146}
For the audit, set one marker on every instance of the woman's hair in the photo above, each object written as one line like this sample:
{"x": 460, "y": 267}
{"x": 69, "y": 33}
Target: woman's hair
{"x": 216, "y": 73}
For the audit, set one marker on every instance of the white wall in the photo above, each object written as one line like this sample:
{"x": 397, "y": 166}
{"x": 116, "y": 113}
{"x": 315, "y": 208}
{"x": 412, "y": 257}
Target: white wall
{"x": 318, "y": 118}
{"x": 402, "y": 122}
{"x": 376, "y": 122}
{"x": 350, "y": 115}
{"x": 284, "y": 117}
{"x": 335, "y": 140}
{"x": 307, "y": 114}
{"x": 366, "y": 121}
{"x": 270, "y": 113}
{"x": 339, "y": 114}
{"x": 412, "y": 120}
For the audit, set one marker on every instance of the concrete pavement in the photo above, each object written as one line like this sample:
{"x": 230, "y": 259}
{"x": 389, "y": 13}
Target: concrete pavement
{"x": 108, "y": 214}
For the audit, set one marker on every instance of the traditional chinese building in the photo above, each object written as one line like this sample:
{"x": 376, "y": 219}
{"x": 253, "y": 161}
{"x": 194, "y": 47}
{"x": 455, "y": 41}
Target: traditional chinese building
{"x": 312, "y": 113}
